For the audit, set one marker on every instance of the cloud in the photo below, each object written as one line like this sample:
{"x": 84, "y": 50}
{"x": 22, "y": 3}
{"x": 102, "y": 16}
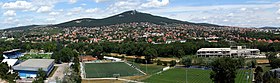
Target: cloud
{"x": 278, "y": 12}
{"x": 83, "y": 4}
{"x": 77, "y": 9}
{"x": 98, "y": 1}
{"x": 50, "y": 19}
{"x": 155, "y": 3}
{"x": 10, "y": 20}
{"x": 123, "y": 5}
{"x": 10, "y": 13}
{"x": 243, "y": 9}
{"x": 44, "y": 9}
{"x": 54, "y": 13}
{"x": 69, "y": 14}
{"x": 18, "y": 5}
{"x": 230, "y": 15}
{"x": 92, "y": 10}
{"x": 278, "y": 18}
{"x": 72, "y": 1}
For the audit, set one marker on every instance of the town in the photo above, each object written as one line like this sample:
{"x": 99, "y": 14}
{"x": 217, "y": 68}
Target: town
{"x": 139, "y": 41}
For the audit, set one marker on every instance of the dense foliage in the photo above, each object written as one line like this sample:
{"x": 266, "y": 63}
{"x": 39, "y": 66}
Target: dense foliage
{"x": 5, "y": 74}
{"x": 224, "y": 70}
{"x": 41, "y": 76}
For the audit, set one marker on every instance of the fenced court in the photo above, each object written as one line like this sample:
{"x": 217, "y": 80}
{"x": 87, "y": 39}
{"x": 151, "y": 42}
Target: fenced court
{"x": 178, "y": 75}
{"x": 110, "y": 70}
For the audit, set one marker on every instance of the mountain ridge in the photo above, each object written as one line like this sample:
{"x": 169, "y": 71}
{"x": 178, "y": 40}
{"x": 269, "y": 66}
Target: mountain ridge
{"x": 125, "y": 17}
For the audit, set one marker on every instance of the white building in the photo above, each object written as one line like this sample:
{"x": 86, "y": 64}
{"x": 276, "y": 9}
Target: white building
{"x": 235, "y": 51}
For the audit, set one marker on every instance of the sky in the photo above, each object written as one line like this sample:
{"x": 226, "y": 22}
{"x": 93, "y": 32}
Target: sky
{"x": 242, "y": 13}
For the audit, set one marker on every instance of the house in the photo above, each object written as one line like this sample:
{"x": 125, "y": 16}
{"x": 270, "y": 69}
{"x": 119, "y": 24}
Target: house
{"x": 87, "y": 58}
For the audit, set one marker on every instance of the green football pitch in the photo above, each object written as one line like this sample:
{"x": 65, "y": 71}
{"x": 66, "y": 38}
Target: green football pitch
{"x": 178, "y": 75}
{"x": 112, "y": 69}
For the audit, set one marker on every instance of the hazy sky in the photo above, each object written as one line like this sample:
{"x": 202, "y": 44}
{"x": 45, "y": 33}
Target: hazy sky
{"x": 248, "y": 13}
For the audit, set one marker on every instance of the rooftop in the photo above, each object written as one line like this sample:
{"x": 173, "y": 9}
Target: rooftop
{"x": 34, "y": 64}
{"x": 214, "y": 49}
{"x": 13, "y": 50}
{"x": 10, "y": 62}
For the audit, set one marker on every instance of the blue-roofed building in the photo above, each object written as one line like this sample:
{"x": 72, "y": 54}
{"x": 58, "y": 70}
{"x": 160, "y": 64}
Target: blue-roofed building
{"x": 30, "y": 67}
{"x": 12, "y": 54}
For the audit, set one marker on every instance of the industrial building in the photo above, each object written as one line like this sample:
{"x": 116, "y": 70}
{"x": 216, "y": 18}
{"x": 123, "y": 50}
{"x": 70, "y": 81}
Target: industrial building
{"x": 30, "y": 67}
{"x": 234, "y": 51}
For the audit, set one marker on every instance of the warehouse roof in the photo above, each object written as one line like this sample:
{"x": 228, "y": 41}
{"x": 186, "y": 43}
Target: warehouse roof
{"x": 10, "y": 62}
{"x": 34, "y": 64}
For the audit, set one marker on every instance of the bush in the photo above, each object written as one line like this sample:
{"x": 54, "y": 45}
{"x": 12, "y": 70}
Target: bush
{"x": 172, "y": 63}
{"x": 164, "y": 63}
{"x": 159, "y": 62}
{"x": 187, "y": 61}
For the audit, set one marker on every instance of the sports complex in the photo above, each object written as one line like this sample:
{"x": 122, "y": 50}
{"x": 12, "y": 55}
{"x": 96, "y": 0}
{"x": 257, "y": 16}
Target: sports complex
{"x": 105, "y": 71}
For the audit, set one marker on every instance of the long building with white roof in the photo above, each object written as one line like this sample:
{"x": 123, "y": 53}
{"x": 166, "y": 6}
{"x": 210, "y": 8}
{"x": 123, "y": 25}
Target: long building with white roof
{"x": 236, "y": 51}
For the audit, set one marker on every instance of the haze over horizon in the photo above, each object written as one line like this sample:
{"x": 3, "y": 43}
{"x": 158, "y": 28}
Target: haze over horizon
{"x": 243, "y": 13}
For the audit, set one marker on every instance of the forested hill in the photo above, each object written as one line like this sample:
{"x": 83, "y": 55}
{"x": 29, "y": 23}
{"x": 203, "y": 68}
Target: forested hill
{"x": 125, "y": 17}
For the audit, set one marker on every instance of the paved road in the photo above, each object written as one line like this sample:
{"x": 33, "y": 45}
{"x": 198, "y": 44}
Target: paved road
{"x": 59, "y": 73}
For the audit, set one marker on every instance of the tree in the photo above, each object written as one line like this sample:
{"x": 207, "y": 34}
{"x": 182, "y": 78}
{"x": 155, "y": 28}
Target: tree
{"x": 1, "y": 56}
{"x": 64, "y": 55}
{"x": 159, "y": 62}
{"x": 180, "y": 53}
{"x": 41, "y": 76}
{"x": 150, "y": 53}
{"x": 187, "y": 61}
{"x": 270, "y": 77}
{"x": 258, "y": 74}
{"x": 275, "y": 63}
{"x": 270, "y": 56}
{"x": 172, "y": 63}
{"x": 164, "y": 63}
{"x": 253, "y": 64}
{"x": 71, "y": 77}
{"x": 240, "y": 62}
{"x": 223, "y": 70}
{"x": 5, "y": 74}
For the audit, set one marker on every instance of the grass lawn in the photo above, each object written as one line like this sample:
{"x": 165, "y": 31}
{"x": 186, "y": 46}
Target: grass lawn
{"x": 100, "y": 70}
{"x": 35, "y": 56}
{"x": 151, "y": 68}
{"x": 178, "y": 75}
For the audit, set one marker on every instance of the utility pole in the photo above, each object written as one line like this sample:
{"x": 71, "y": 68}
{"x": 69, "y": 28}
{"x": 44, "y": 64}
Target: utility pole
{"x": 146, "y": 66}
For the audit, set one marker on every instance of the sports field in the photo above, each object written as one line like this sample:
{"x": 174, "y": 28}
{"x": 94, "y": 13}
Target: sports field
{"x": 103, "y": 70}
{"x": 178, "y": 75}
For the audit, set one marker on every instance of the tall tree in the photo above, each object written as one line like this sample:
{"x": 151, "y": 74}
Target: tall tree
{"x": 223, "y": 70}
{"x": 41, "y": 76}
{"x": 150, "y": 53}
{"x": 258, "y": 74}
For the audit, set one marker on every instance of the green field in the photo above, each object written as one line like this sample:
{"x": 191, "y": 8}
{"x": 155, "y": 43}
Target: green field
{"x": 151, "y": 68}
{"x": 35, "y": 56}
{"x": 101, "y": 70}
{"x": 178, "y": 75}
